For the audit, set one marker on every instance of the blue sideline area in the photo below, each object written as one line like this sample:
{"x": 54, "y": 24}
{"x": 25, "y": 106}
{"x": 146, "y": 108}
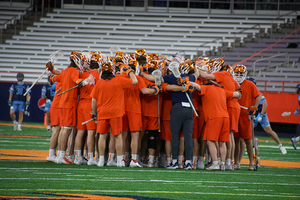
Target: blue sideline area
{"x": 36, "y": 114}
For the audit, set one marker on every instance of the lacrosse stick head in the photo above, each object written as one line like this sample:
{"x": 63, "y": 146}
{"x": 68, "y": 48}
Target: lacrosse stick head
{"x": 113, "y": 50}
{"x": 286, "y": 114}
{"x": 89, "y": 80}
{"x": 240, "y": 73}
{"x": 215, "y": 65}
{"x": 55, "y": 55}
{"x": 178, "y": 57}
{"x": 157, "y": 75}
{"x": 174, "y": 68}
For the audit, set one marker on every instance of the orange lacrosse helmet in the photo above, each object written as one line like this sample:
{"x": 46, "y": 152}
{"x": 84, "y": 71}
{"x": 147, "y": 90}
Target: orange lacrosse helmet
{"x": 140, "y": 53}
{"x": 153, "y": 56}
{"x": 202, "y": 63}
{"x": 227, "y": 68}
{"x": 107, "y": 67}
{"x": 186, "y": 67}
{"x": 240, "y": 73}
{"x": 215, "y": 65}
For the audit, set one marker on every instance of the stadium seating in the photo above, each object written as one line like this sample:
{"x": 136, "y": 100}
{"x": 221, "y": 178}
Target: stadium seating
{"x": 164, "y": 33}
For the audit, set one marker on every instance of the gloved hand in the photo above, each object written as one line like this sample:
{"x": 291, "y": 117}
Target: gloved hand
{"x": 79, "y": 82}
{"x": 158, "y": 89}
{"x": 94, "y": 115}
{"x": 259, "y": 117}
{"x": 253, "y": 109}
{"x": 296, "y": 112}
{"x": 181, "y": 81}
{"x": 26, "y": 112}
{"x": 50, "y": 66}
{"x": 188, "y": 88}
{"x": 9, "y": 102}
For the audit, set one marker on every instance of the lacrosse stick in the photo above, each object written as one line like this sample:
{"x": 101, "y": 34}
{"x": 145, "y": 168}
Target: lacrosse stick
{"x": 53, "y": 58}
{"x": 83, "y": 123}
{"x": 255, "y": 159}
{"x": 174, "y": 68}
{"x": 157, "y": 75}
{"x": 113, "y": 50}
{"x": 88, "y": 81}
{"x": 286, "y": 114}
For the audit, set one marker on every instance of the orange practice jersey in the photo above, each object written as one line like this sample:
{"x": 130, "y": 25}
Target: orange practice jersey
{"x": 214, "y": 101}
{"x": 56, "y": 99}
{"x": 110, "y": 97}
{"x": 249, "y": 92}
{"x": 85, "y": 92}
{"x": 68, "y": 78}
{"x": 225, "y": 79}
{"x": 132, "y": 96}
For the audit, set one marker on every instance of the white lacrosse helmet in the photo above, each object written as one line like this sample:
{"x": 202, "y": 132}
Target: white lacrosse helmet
{"x": 215, "y": 65}
{"x": 202, "y": 63}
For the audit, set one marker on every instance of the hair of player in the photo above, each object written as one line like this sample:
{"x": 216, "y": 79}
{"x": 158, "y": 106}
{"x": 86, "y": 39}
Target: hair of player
{"x": 107, "y": 75}
{"x": 94, "y": 65}
{"x": 192, "y": 71}
{"x": 72, "y": 64}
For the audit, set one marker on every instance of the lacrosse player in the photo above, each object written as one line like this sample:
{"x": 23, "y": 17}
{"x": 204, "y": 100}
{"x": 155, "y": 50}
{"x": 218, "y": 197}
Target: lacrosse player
{"x": 69, "y": 78}
{"x": 250, "y": 99}
{"x": 90, "y": 63}
{"x": 296, "y": 139}
{"x": 55, "y": 122}
{"x": 261, "y": 117}
{"x": 18, "y": 102}
{"x": 108, "y": 107}
{"x": 220, "y": 73}
{"x": 48, "y": 92}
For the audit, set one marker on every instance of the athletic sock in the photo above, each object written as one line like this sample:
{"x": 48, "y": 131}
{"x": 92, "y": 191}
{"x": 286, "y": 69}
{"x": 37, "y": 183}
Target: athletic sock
{"x": 62, "y": 154}
{"x": 168, "y": 160}
{"x": 111, "y": 156}
{"x": 48, "y": 127}
{"x": 151, "y": 159}
{"x": 180, "y": 160}
{"x": 120, "y": 158}
{"x": 133, "y": 156}
{"x": 90, "y": 155}
{"x": 51, "y": 152}
{"x": 174, "y": 161}
{"x": 19, "y": 125}
{"x": 228, "y": 161}
{"x": 222, "y": 163}
{"x": 195, "y": 158}
{"x": 216, "y": 162}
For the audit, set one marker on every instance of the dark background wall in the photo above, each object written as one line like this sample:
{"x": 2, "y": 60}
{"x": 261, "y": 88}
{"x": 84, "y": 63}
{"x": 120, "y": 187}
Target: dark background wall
{"x": 36, "y": 114}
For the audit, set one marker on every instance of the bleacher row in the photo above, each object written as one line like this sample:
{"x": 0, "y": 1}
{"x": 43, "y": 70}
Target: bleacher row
{"x": 163, "y": 33}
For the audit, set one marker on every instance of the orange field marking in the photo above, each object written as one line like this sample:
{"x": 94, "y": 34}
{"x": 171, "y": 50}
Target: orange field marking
{"x": 23, "y": 136}
{"x": 42, "y": 155}
{"x": 23, "y": 125}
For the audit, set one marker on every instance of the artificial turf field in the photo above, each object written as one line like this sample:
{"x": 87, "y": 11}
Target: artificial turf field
{"x": 24, "y": 174}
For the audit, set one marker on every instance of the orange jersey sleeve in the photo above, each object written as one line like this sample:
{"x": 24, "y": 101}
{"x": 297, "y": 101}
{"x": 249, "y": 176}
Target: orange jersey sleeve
{"x": 249, "y": 92}
{"x": 110, "y": 97}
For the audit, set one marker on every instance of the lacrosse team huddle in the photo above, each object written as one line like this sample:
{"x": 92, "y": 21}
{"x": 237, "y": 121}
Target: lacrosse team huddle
{"x": 150, "y": 110}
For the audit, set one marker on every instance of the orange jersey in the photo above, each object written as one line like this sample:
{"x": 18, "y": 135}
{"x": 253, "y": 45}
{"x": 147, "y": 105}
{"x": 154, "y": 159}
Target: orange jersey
{"x": 150, "y": 103}
{"x": 214, "y": 101}
{"x": 132, "y": 96}
{"x": 249, "y": 92}
{"x": 85, "y": 91}
{"x": 56, "y": 99}
{"x": 225, "y": 79}
{"x": 167, "y": 103}
{"x": 110, "y": 97}
{"x": 68, "y": 78}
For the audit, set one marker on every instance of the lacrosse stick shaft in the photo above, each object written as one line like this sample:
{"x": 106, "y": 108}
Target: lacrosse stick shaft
{"x": 35, "y": 82}
{"x": 83, "y": 123}
{"x": 191, "y": 103}
{"x": 253, "y": 139}
{"x": 215, "y": 83}
{"x": 245, "y": 108}
{"x": 158, "y": 113}
{"x": 67, "y": 90}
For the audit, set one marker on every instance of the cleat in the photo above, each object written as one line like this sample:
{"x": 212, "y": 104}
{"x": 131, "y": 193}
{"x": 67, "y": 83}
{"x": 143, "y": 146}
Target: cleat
{"x": 294, "y": 142}
{"x": 15, "y": 126}
{"x": 172, "y": 166}
{"x": 181, "y": 166}
{"x": 80, "y": 161}
{"x": 64, "y": 161}
{"x": 213, "y": 167}
{"x": 121, "y": 164}
{"x": 188, "y": 166}
{"x": 51, "y": 158}
{"x": 19, "y": 129}
{"x": 134, "y": 163}
{"x": 92, "y": 162}
{"x": 222, "y": 167}
{"x": 200, "y": 165}
{"x": 236, "y": 166}
{"x": 194, "y": 166}
{"x": 282, "y": 149}
{"x": 100, "y": 164}
{"x": 251, "y": 167}
{"x": 112, "y": 163}
{"x": 150, "y": 164}
{"x": 258, "y": 161}
{"x": 71, "y": 158}
{"x": 229, "y": 167}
